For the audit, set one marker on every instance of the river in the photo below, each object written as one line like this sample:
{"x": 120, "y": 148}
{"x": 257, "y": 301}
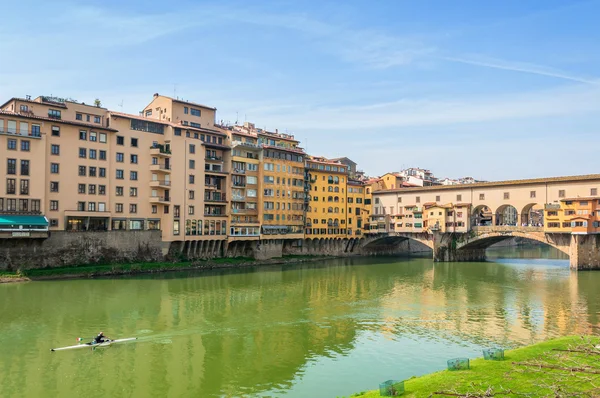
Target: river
{"x": 314, "y": 330}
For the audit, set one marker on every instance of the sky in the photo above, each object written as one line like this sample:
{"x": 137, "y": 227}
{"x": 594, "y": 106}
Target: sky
{"x": 490, "y": 89}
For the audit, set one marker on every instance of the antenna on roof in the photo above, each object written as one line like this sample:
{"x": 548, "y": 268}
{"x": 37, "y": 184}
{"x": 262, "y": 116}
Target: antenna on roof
{"x": 236, "y": 117}
{"x": 175, "y": 90}
{"x": 121, "y": 105}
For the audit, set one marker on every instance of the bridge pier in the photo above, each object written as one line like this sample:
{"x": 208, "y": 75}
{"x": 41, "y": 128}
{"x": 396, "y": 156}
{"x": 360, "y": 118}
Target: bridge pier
{"x": 584, "y": 252}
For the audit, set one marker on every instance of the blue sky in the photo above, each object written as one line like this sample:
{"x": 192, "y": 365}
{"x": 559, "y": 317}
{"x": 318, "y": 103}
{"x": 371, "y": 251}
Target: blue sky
{"x": 490, "y": 89}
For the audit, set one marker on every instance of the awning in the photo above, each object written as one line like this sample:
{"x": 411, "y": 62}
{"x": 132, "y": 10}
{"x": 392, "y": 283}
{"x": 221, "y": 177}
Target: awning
{"x": 25, "y": 221}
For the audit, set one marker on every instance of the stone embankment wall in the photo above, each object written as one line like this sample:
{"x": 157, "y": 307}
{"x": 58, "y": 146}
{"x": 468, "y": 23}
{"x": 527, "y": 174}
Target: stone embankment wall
{"x": 585, "y": 252}
{"x": 78, "y": 248}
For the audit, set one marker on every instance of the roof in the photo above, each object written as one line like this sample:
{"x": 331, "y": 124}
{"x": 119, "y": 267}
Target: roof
{"x": 56, "y": 104}
{"x": 184, "y": 102}
{"x": 6, "y": 220}
{"x": 581, "y": 198}
{"x": 586, "y": 177}
{"x": 279, "y": 136}
{"x": 146, "y": 119}
{"x": 49, "y": 119}
{"x": 295, "y": 150}
{"x": 166, "y": 123}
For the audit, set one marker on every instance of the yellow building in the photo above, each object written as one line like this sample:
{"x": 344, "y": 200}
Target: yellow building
{"x": 573, "y": 215}
{"x": 326, "y": 215}
{"x": 358, "y": 209}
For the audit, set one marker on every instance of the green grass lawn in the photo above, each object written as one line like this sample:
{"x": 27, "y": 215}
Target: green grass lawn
{"x": 509, "y": 378}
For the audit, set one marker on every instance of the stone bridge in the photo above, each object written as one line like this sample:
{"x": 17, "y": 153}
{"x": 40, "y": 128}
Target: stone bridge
{"x": 583, "y": 250}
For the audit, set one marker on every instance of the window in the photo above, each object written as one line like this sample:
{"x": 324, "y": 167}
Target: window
{"x": 185, "y": 110}
{"x": 458, "y": 198}
{"x": 11, "y": 166}
{"x": 418, "y": 199}
{"x": 120, "y": 157}
{"x": 55, "y": 131}
{"x": 102, "y": 155}
{"x": 481, "y": 196}
{"x": 103, "y": 138}
{"x": 35, "y": 205}
{"x": 102, "y": 171}
{"x": 192, "y": 148}
{"x": 101, "y": 189}
{"x": 506, "y": 195}
{"x": 12, "y": 144}
{"x": 55, "y": 149}
{"x": 87, "y": 118}
{"x": 81, "y": 188}
{"x": 133, "y": 159}
{"x": 54, "y": 114}
{"x": 92, "y": 171}
{"x": 54, "y": 168}
{"x": 191, "y": 194}
{"x": 195, "y": 112}
{"x": 134, "y": 142}
{"x": 191, "y": 210}
{"x": 120, "y": 140}
{"x": 191, "y": 178}
{"x": 561, "y": 193}
{"x": 119, "y": 191}
{"x": 176, "y": 211}
{"x": 92, "y": 154}
{"x": 24, "y": 167}
{"x": 197, "y": 125}
{"x": 53, "y": 186}
{"x": 132, "y": 191}
{"x": 532, "y": 194}
{"x": 133, "y": 208}
{"x": 192, "y": 164}
{"x": 594, "y": 191}
{"x": 24, "y": 187}
{"x": 119, "y": 208}
{"x": 96, "y": 119}
{"x": 83, "y": 135}
{"x": 35, "y": 130}
{"x": 82, "y": 153}
{"x": 25, "y": 145}
{"x": 92, "y": 189}
{"x": 177, "y": 131}
{"x": 24, "y": 108}
{"x": 93, "y": 136}
{"x": 148, "y": 112}
{"x": 92, "y": 206}
{"x": 437, "y": 198}
{"x": 78, "y": 116}
{"x": 54, "y": 205}
{"x": 133, "y": 175}
{"x": 119, "y": 174}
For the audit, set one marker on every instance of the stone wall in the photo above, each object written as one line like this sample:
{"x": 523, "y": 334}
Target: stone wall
{"x": 78, "y": 248}
{"x": 585, "y": 252}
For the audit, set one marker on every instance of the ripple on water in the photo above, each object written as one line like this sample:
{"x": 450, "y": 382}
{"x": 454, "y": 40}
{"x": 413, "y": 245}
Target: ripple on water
{"x": 164, "y": 341}
{"x": 144, "y": 331}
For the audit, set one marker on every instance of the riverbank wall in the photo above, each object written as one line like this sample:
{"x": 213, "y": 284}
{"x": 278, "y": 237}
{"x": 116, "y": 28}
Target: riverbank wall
{"x": 65, "y": 249}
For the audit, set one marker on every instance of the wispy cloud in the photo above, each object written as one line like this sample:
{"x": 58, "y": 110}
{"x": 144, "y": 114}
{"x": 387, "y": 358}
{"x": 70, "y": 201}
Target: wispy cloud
{"x": 519, "y": 67}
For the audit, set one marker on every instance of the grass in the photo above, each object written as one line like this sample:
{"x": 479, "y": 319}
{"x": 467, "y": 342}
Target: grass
{"x": 507, "y": 378}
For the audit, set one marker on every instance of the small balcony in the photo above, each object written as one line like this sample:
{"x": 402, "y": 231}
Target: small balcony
{"x": 160, "y": 184}
{"x": 214, "y": 158}
{"x": 160, "y": 199}
{"x": 244, "y": 211}
{"x": 238, "y": 198}
{"x": 162, "y": 168}
{"x": 551, "y": 206}
{"x": 160, "y": 151}
{"x": 215, "y": 214}
{"x": 239, "y": 184}
{"x": 215, "y": 197}
{"x": 238, "y": 171}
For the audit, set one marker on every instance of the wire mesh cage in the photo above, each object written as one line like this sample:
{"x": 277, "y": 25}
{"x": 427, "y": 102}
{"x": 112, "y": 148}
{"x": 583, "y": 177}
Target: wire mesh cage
{"x": 391, "y": 388}
{"x": 493, "y": 354}
{"x": 458, "y": 364}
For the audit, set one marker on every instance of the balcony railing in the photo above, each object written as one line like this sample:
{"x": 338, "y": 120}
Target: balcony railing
{"x": 160, "y": 166}
{"x": 160, "y": 199}
{"x": 165, "y": 183}
{"x": 27, "y": 133}
{"x": 215, "y": 158}
{"x": 552, "y": 207}
{"x": 243, "y": 211}
{"x": 238, "y": 197}
{"x": 57, "y": 117}
{"x": 159, "y": 149}
{"x": 215, "y": 214}
{"x": 239, "y": 171}
{"x": 215, "y": 197}
{"x": 239, "y": 184}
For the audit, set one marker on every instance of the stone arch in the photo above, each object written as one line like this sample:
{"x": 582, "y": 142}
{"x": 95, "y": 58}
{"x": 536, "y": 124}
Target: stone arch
{"x": 485, "y": 240}
{"x": 393, "y": 240}
{"x": 507, "y": 215}
{"x": 532, "y": 215}
{"x": 481, "y": 215}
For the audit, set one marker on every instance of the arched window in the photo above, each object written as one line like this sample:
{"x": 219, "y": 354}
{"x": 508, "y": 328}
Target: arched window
{"x": 330, "y": 210}
{"x": 330, "y": 222}
{"x": 336, "y": 199}
{"x": 308, "y": 221}
{"x": 330, "y": 180}
{"x": 337, "y": 210}
{"x": 368, "y": 190}
{"x": 336, "y": 189}
{"x": 336, "y": 221}
{"x": 330, "y": 189}
{"x": 330, "y": 199}
{"x": 336, "y": 180}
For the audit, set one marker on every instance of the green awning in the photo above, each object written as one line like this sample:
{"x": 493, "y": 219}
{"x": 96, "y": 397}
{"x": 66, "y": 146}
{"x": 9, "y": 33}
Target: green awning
{"x": 37, "y": 221}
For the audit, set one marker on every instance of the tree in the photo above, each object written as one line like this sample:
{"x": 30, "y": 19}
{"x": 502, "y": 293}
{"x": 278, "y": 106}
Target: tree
{"x": 97, "y": 102}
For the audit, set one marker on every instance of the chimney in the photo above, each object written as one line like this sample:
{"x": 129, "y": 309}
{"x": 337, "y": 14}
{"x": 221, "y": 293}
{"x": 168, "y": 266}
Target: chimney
{"x": 276, "y": 131}
{"x": 155, "y": 95}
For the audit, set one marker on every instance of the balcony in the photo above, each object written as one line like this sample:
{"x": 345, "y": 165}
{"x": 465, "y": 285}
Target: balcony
{"x": 160, "y": 184}
{"x": 245, "y": 221}
{"x": 215, "y": 197}
{"x": 160, "y": 199}
{"x": 215, "y": 214}
{"x": 53, "y": 116}
{"x": 238, "y": 198}
{"x": 26, "y": 133}
{"x": 214, "y": 158}
{"x": 239, "y": 184}
{"x": 244, "y": 211}
{"x": 238, "y": 171}
{"x": 552, "y": 207}
{"x": 159, "y": 150}
{"x": 163, "y": 168}
{"x": 211, "y": 186}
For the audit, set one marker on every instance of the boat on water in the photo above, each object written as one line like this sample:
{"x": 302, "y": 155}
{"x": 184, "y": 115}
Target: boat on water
{"x": 93, "y": 344}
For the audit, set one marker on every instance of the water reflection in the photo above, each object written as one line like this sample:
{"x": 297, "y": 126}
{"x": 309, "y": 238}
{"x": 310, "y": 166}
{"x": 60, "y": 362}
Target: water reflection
{"x": 330, "y": 328}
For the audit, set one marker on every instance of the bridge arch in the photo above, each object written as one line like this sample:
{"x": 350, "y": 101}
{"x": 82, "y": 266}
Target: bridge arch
{"x": 394, "y": 239}
{"x": 481, "y": 215}
{"x": 491, "y": 235}
{"x": 532, "y": 215}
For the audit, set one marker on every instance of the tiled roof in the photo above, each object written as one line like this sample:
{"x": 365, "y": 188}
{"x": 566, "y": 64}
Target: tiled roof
{"x": 587, "y": 177}
{"x": 55, "y": 104}
{"x": 190, "y": 103}
{"x": 582, "y": 198}
{"x": 295, "y": 150}
{"x": 137, "y": 117}
{"x": 58, "y": 121}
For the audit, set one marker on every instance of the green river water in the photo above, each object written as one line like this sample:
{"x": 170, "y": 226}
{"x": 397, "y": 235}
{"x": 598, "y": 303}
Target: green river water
{"x": 314, "y": 330}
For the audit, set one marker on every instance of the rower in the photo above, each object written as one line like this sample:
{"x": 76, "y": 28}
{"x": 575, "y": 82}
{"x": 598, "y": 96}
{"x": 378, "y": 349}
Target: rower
{"x": 100, "y": 338}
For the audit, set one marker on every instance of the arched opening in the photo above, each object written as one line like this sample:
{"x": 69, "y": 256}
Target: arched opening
{"x": 330, "y": 210}
{"x": 330, "y": 199}
{"x": 336, "y": 199}
{"x": 330, "y": 180}
{"x": 532, "y": 215}
{"x": 336, "y": 180}
{"x": 482, "y": 216}
{"x": 507, "y": 215}
{"x": 330, "y": 189}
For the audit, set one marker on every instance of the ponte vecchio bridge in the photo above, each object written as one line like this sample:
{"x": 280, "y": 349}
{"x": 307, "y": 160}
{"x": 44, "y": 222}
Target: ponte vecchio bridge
{"x": 458, "y": 222}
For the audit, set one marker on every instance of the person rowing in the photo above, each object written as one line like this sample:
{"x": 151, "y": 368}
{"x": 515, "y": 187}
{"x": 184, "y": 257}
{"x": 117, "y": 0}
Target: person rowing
{"x": 100, "y": 338}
